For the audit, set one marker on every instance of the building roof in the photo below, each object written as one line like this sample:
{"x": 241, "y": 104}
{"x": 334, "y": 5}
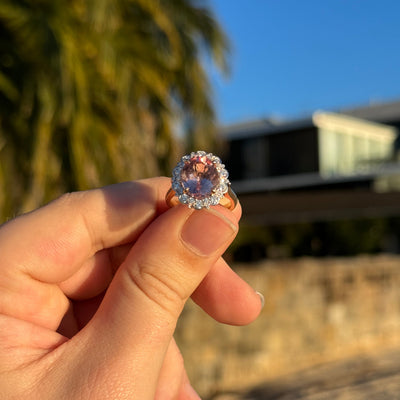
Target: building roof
{"x": 356, "y": 126}
{"x": 262, "y": 127}
{"x": 386, "y": 113}
{"x": 380, "y": 112}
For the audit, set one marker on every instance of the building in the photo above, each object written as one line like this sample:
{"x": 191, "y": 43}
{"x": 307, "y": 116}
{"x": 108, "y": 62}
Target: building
{"x": 320, "y": 161}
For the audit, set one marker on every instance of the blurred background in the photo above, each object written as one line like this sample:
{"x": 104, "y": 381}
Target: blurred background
{"x": 302, "y": 102}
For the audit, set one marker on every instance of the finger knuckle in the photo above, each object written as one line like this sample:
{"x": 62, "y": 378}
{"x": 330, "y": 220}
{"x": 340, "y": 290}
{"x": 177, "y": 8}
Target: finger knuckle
{"x": 155, "y": 281}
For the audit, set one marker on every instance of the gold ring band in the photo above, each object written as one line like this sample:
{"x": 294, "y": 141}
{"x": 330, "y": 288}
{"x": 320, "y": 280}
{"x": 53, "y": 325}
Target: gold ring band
{"x": 229, "y": 200}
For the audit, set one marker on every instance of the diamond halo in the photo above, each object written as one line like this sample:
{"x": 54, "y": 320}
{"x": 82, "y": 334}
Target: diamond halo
{"x": 200, "y": 180}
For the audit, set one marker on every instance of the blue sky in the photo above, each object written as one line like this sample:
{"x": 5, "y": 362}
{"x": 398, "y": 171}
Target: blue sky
{"x": 291, "y": 57}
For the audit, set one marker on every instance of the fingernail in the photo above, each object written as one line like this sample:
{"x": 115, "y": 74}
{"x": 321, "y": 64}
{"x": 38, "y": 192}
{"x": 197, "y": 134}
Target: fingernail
{"x": 262, "y": 299}
{"x": 205, "y": 231}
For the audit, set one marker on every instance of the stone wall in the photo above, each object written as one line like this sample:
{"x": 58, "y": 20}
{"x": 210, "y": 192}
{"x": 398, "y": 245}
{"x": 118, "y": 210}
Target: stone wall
{"x": 316, "y": 310}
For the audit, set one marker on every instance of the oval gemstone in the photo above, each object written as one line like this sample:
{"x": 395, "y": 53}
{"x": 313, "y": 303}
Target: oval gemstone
{"x": 199, "y": 177}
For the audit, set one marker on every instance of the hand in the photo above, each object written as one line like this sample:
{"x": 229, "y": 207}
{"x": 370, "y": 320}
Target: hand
{"x": 92, "y": 285}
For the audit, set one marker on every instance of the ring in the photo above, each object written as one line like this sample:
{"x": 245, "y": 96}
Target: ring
{"x": 200, "y": 180}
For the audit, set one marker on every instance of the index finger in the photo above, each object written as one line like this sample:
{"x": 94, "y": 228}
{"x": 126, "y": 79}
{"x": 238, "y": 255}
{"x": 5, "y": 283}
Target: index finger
{"x": 51, "y": 243}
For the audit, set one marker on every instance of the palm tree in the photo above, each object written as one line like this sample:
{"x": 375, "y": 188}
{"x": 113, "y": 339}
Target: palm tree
{"x": 93, "y": 92}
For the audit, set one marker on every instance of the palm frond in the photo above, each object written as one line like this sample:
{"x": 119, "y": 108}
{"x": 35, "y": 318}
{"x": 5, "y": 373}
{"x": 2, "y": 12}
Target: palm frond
{"x": 94, "y": 92}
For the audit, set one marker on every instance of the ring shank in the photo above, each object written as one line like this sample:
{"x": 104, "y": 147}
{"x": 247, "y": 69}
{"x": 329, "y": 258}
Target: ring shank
{"x": 229, "y": 200}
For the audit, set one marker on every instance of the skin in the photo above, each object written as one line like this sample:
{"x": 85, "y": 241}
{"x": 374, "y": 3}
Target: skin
{"x": 92, "y": 285}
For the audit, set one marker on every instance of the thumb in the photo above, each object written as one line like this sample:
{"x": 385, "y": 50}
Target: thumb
{"x": 135, "y": 323}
